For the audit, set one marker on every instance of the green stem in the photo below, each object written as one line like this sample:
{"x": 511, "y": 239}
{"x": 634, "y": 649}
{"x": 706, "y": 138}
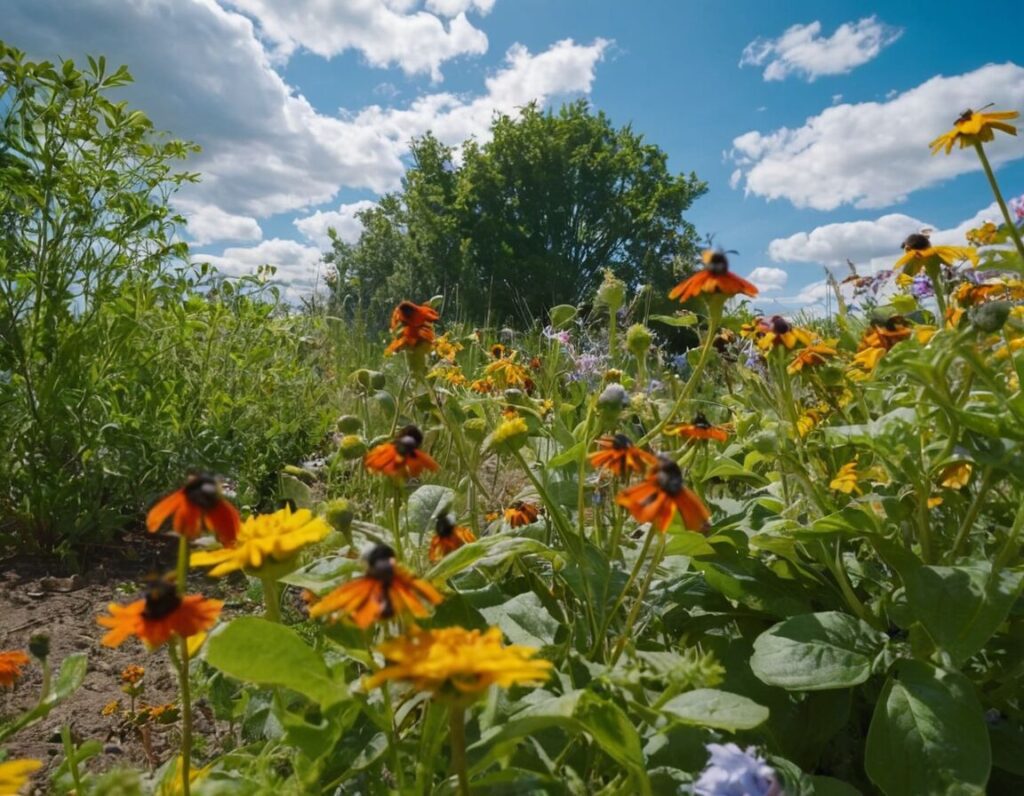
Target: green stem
{"x": 582, "y": 472}
{"x": 1011, "y": 539}
{"x": 972, "y": 514}
{"x": 714, "y": 318}
{"x": 457, "y": 726}
{"x": 70, "y": 756}
{"x": 396, "y": 760}
{"x": 934, "y": 271}
{"x": 638, "y": 604}
{"x": 271, "y": 600}
{"x": 396, "y": 520}
{"x": 182, "y": 569}
{"x": 186, "y": 718}
{"x": 1014, "y": 232}
{"x": 625, "y": 590}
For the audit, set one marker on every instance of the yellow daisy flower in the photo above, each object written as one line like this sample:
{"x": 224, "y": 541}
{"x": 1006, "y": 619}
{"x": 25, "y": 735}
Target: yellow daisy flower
{"x": 263, "y": 537}
{"x": 846, "y": 479}
{"x": 14, "y": 775}
{"x": 919, "y": 253}
{"x": 507, "y": 372}
{"x": 455, "y": 661}
{"x": 974, "y": 127}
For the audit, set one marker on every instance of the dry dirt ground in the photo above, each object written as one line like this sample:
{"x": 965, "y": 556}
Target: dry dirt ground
{"x": 37, "y": 597}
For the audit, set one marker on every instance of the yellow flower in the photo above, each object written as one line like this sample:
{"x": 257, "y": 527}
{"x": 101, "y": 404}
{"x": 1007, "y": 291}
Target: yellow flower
{"x": 14, "y": 775}
{"x": 452, "y": 374}
{"x": 769, "y": 333}
{"x": 934, "y": 501}
{"x": 112, "y": 707}
{"x": 276, "y": 537}
{"x": 923, "y": 332}
{"x": 974, "y": 127}
{"x": 509, "y": 436}
{"x": 507, "y": 372}
{"x": 445, "y": 349}
{"x": 904, "y": 280}
{"x": 846, "y": 479}
{"x": 919, "y": 253}
{"x": 454, "y": 661}
{"x": 955, "y": 476}
{"x": 170, "y": 783}
{"x": 812, "y": 356}
{"x": 869, "y": 358}
{"x": 985, "y": 235}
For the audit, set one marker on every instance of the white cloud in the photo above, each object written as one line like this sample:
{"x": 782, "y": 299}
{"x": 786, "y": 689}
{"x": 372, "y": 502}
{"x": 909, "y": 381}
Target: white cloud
{"x": 385, "y": 33}
{"x": 299, "y": 267}
{"x": 202, "y": 73}
{"x": 768, "y": 279}
{"x": 874, "y": 154}
{"x": 802, "y": 50}
{"x": 343, "y": 221}
{"x": 207, "y": 223}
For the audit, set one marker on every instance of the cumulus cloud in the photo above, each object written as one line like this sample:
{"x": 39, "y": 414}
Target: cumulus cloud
{"x": 203, "y": 73}
{"x": 768, "y": 279}
{"x": 207, "y": 223}
{"x": 343, "y": 221}
{"x": 386, "y": 33}
{"x": 874, "y": 154}
{"x": 298, "y": 266}
{"x": 801, "y": 50}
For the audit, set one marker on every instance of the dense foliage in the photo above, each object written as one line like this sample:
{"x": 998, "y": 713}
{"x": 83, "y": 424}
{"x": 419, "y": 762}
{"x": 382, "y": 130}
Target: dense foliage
{"x": 522, "y": 222}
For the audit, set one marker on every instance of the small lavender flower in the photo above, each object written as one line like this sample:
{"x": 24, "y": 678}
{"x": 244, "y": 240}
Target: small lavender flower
{"x": 562, "y": 336}
{"x": 921, "y": 287}
{"x": 732, "y": 771}
{"x": 1017, "y": 207}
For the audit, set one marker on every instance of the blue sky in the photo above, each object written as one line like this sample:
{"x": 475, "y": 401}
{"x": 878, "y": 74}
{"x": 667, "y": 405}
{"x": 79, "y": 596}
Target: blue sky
{"x": 810, "y": 121}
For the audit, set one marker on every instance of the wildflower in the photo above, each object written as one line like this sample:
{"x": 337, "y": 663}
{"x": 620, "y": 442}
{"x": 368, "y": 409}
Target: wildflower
{"x": 611, "y": 293}
{"x": 264, "y": 538}
{"x": 132, "y": 674}
{"x": 482, "y": 386}
{"x": 1017, "y": 207}
{"x": 846, "y": 479}
{"x": 809, "y": 419}
{"x": 15, "y": 774}
{"x": 111, "y": 708}
{"x": 402, "y": 457}
{"x": 955, "y": 476}
{"x": 521, "y": 513}
{"x": 450, "y": 374}
{"x": 921, "y": 287}
{"x": 867, "y": 359}
{"x": 715, "y": 277}
{"x": 613, "y": 398}
{"x": 196, "y": 506}
{"x": 732, "y": 771}
{"x": 11, "y": 664}
{"x": 507, "y": 372}
{"x": 417, "y": 324}
{"x": 638, "y": 340}
{"x": 446, "y": 349}
{"x": 661, "y": 495}
{"x": 619, "y": 456}
{"x": 700, "y": 428}
{"x": 386, "y": 590}
{"x": 812, "y": 356}
{"x": 974, "y": 127}
{"x": 339, "y": 515}
{"x": 454, "y": 661}
{"x": 160, "y": 615}
{"x": 448, "y": 536}
{"x": 919, "y": 253}
{"x": 769, "y": 333}
{"x": 985, "y": 235}
{"x": 509, "y": 436}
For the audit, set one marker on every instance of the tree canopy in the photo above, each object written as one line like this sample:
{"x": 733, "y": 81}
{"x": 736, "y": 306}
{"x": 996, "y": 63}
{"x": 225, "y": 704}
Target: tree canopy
{"x": 508, "y": 228}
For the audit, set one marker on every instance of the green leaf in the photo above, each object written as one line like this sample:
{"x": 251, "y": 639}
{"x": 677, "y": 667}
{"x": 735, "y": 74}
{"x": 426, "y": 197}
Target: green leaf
{"x": 725, "y": 468}
{"x": 489, "y": 552}
{"x": 570, "y": 455}
{"x": 752, "y": 584}
{"x": 323, "y": 573}
{"x": 426, "y": 504}
{"x": 258, "y": 651}
{"x": 961, "y": 607}
{"x": 928, "y": 734}
{"x": 524, "y": 619}
{"x": 296, "y": 491}
{"x": 708, "y": 707}
{"x": 684, "y": 319}
{"x": 815, "y": 652}
{"x": 687, "y": 543}
{"x": 562, "y": 315}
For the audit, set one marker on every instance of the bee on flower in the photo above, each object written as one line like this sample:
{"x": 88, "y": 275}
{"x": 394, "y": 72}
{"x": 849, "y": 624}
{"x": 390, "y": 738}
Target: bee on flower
{"x": 661, "y": 496}
{"x": 161, "y": 614}
{"x": 918, "y": 253}
{"x": 714, "y": 278}
{"x": 402, "y": 457}
{"x": 521, "y": 513}
{"x": 699, "y": 429}
{"x": 416, "y": 322}
{"x": 975, "y": 127}
{"x": 448, "y": 536}
{"x": 619, "y": 456}
{"x": 386, "y": 590}
{"x": 775, "y": 332}
{"x": 199, "y": 505}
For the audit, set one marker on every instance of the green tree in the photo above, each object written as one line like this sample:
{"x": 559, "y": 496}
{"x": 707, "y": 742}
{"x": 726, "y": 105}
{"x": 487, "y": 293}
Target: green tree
{"x": 527, "y": 220}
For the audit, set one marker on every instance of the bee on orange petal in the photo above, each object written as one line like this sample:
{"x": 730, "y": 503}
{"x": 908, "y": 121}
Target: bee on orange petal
{"x": 402, "y": 457}
{"x": 162, "y": 613}
{"x": 715, "y": 277}
{"x": 448, "y": 537}
{"x": 661, "y": 495}
{"x": 521, "y": 513}
{"x": 385, "y": 591}
{"x": 618, "y": 455}
{"x": 417, "y": 322}
{"x": 197, "y": 506}
{"x": 700, "y": 428}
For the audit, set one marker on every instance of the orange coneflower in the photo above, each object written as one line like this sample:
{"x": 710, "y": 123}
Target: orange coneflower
{"x": 417, "y": 322}
{"x": 11, "y": 664}
{"x": 402, "y": 457}
{"x": 885, "y": 334}
{"x": 448, "y": 536}
{"x": 618, "y": 455}
{"x": 715, "y": 277}
{"x": 521, "y": 513}
{"x": 386, "y": 590}
{"x": 196, "y": 506}
{"x": 661, "y": 495}
{"x": 700, "y": 428}
{"x": 162, "y": 613}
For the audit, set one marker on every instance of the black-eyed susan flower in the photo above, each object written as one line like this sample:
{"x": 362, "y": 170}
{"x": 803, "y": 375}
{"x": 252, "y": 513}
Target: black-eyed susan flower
{"x": 386, "y": 590}
{"x": 402, "y": 457}
{"x": 846, "y": 479}
{"x": 975, "y": 127}
{"x": 15, "y": 774}
{"x": 264, "y": 538}
{"x": 453, "y": 661}
{"x": 886, "y": 334}
{"x": 162, "y": 613}
{"x": 984, "y": 235}
{"x": 448, "y": 536}
{"x": 812, "y": 356}
{"x": 505, "y": 371}
{"x": 618, "y": 455}
{"x": 417, "y": 326}
{"x": 197, "y": 506}
{"x": 776, "y": 332}
{"x": 700, "y": 428}
{"x": 11, "y": 664}
{"x": 483, "y": 386}
{"x": 658, "y": 498}
{"x": 918, "y": 253}
{"x": 521, "y": 513}
{"x": 446, "y": 349}
{"x": 714, "y": 278}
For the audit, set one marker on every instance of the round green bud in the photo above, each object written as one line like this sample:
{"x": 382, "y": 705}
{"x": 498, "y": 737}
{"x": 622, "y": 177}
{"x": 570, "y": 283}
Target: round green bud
{"x": 349, "y": 424}
{"x": 352, "y": 446}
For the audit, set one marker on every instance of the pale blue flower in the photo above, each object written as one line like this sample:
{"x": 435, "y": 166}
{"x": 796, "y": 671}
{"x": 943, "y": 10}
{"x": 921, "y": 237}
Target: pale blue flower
{"x": 731, "y": 771}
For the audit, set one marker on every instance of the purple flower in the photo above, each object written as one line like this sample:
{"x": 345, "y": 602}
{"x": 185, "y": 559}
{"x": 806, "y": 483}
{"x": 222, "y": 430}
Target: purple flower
{"x": 1017, "y": 207}
{"x": 921, "y": 287}
{"x": 561, "y": 336}
{"x": 732, "y": 771}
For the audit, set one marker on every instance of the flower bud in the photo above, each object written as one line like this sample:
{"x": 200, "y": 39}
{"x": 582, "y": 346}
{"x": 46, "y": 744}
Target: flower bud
{"x": 339, "y": 515}
{"x": 612, "y": 291}
{"x": 39, "y": 646}
{"x": 509, "y": 436}
{"x": 352, "y": 446}
{"x": 349, "y": 424}
{"x": 475, "y": 428}
{"x": 638, "y": 340}
{"x": 613, "y": 398}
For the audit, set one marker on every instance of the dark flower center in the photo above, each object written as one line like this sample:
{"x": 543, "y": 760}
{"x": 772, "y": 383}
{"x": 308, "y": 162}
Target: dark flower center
{"x": 162, "y": 600}
{"x": 380, "y": 563}
{"x": 780, "y": 325}
{"x": 407, "y": 308}
{"x": 669, "y": 476}
{"x": 700, "y": 421}
{"x": 916, "y": 242}
{"x": 202, "y": 491}
{"x": 408, "y": 440}
{"x": 621, "y": 442}
{"x": 718, "y": 264}
{"x": 445, "y": 526}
